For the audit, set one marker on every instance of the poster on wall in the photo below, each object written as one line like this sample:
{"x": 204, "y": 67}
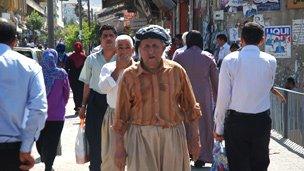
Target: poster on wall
{"x": 259, "y": 18}
{"x": 249, "y": 10}
{"x": 268, "y": 5}
{"x": 298, "y": 32}
{"x": 278, "y": 41}
{"x": 233, "y": 34}
{"x": 295, "y": 4}
{"x": 262, "y": 5}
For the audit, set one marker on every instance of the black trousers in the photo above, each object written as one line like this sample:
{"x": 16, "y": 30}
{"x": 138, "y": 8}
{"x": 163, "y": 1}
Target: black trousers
{"x": 48, "y": 142}
{"x": 9, "y": 156}
{"x": 77, "y": 89}
{"x": 97, "y": 106}
{"x": 247, "y": 140}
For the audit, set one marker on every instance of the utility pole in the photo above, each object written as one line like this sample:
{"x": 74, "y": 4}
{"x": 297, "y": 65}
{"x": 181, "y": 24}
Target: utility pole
{"x": 190, "y": 14}
{"x": 80, "y": 19}
{"x": 89, "y": 15}
{"x": 50, "y": 21}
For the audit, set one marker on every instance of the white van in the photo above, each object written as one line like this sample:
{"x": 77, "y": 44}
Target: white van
{"x": 33, "y": 53}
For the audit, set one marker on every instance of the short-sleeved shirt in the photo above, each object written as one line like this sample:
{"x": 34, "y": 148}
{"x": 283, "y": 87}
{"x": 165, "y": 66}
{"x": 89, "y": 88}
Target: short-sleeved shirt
{"x": 91, "y": 70}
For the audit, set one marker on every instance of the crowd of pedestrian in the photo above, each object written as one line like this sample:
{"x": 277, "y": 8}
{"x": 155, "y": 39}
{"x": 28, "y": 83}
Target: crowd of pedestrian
{"x": 158, "y": 113}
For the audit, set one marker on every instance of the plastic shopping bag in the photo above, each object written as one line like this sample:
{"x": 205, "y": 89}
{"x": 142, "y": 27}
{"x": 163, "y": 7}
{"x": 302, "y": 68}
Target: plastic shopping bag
{"x": 220, "y": 162}
{"x": 81, "y": 145}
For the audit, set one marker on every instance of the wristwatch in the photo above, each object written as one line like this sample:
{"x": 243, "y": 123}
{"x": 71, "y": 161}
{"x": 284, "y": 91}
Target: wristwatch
{"x": 83, "y": 105}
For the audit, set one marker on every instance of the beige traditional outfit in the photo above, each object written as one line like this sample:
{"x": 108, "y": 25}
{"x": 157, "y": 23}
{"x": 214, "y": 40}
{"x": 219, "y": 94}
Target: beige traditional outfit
{"x": 151, "y": 109}
{"x": 109, "y": 86}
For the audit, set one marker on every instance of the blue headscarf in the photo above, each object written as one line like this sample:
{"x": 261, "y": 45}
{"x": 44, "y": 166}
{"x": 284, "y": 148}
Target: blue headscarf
{"x": 50, "y": 71}
{"x": 62, "y": 57}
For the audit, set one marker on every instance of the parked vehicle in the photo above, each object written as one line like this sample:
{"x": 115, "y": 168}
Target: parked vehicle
{"x": 33, "y": 53}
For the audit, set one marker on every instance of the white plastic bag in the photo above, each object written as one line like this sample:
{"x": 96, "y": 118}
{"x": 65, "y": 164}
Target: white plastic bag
{"x": 81, "y": 145}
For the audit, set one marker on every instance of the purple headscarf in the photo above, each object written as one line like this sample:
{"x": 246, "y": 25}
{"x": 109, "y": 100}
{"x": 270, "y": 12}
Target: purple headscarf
{"x": 50, "y": 71}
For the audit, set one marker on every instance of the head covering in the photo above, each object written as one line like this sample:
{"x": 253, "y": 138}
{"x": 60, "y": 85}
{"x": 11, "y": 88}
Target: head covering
{"x": 78, "y": 56}
{"x": 152, "y": 32}
{"x": 60, "y": 48}
{"x": 62, "y": 57}
{"x": 50, "y": 71}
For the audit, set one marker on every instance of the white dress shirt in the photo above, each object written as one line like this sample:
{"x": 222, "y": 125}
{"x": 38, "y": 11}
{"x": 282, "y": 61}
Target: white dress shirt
{"x": 224, "y": 51}
{"x": 245, "y": 80}
{"x": 107, "y": 84}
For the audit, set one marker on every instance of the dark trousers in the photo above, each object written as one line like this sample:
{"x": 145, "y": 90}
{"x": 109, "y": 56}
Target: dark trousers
{"x": 9, "y": 156}
{"x": 77, "y": 89}
{"x": 48, "y": 142}
{"x": 247, "y": 139}
{"x": 97, "y": 106}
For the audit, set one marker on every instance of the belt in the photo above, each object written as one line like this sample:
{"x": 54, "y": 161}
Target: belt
{"x": 10, "y": 145}
{"x": 235, "y": 113}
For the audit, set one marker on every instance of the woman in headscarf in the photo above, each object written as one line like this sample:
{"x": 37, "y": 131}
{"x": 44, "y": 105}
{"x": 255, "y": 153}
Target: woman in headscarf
{"x": 74, "y": 66}
{"x": 57, "y": 89}
{"x": 62, "y": 56}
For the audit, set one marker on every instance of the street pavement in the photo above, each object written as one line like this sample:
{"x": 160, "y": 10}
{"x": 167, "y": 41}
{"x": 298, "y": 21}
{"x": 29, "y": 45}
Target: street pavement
{"x": 282, "y": 157}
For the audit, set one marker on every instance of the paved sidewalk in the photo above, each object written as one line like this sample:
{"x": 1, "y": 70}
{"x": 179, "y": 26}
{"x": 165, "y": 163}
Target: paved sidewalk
{"x": 281, "y": 158}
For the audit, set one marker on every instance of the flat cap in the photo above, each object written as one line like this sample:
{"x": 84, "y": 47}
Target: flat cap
{"x": 152, "y": 32}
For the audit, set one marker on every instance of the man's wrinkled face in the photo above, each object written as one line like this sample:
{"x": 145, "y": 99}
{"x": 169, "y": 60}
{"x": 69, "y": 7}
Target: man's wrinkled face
{"x": 108, "y": 39}
{"x": 124, "y": 49}
{"x": 151, "y": 51}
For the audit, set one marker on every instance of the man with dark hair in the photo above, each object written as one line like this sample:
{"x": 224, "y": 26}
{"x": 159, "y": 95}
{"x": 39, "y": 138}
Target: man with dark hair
{"x": 94, "y": 102}
{"x": 202, "y": 71}
{"x": 224, "y": 48}
{"x": 290, "y": 83}
{"x": 104, "y": 27}
{"x": 242, "y": 113}
{"x": 21, "y": 86}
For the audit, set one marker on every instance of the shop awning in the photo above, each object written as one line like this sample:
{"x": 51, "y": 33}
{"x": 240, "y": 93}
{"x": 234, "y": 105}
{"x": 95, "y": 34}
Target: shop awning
{"x": 167, "y": 4}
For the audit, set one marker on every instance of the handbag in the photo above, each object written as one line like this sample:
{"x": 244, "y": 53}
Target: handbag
{"x": 219, "y": 162}
{"x": 81, "y": 145}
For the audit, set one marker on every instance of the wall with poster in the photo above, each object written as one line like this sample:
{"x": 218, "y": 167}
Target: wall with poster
{"x": 278, "y": 41}
{"x": 272, "y": 13}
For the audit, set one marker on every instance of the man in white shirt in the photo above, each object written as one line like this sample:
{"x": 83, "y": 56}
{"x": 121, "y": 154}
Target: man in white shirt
{"x": 109, "y": 78}
{"x": 242, "y": 111}
{"x": 221, "y": 40}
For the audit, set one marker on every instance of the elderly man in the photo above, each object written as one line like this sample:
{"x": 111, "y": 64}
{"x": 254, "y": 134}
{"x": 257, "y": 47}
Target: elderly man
{"x": 155, "y": 98}
{"x": 110, "y": 76}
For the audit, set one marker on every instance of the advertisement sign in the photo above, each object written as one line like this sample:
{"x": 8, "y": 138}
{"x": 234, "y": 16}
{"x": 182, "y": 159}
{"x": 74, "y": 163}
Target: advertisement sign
{"x": 262, "y": 5}
{"x": 278, "y": 41}
{"x": 295, "y": 4}
{"x": 233, "y": 34}
{"x": 298, "y": 32}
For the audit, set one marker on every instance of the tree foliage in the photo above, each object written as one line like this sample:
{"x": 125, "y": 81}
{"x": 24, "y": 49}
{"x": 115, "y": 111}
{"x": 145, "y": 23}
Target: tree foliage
{"x": 70, "y": 34}
{"x": 34, "y": 21}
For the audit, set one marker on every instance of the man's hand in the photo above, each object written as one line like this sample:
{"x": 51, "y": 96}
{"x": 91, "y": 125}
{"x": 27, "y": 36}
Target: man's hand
{"x": 81, "y": 112}
{"x": 218, "y": 137}
{"x": 27, "y": 161}
{"x": 194, "y": 149}
{"x": 120, "y": 157}
{"x": 122, "y": 63}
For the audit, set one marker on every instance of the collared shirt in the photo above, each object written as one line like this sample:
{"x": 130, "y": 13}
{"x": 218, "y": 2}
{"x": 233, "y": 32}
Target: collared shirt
{"x": 178, "y": 51}
{"x": 21, "y": 86}
{"x": 164, "y": 98}
{"x": 245, "y": 80}
{"x": 107, "y": 84}
{"x": 224, "y": 51}
{"x": 91, "y": 70}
